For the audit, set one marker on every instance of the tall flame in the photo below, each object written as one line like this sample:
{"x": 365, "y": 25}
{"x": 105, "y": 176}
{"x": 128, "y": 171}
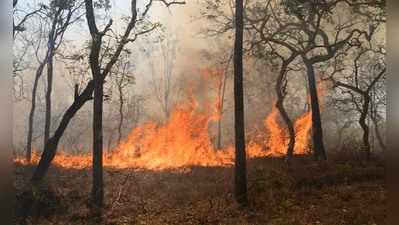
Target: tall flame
{"x": 278, "y": 135}
{"x": 277, "y": 140}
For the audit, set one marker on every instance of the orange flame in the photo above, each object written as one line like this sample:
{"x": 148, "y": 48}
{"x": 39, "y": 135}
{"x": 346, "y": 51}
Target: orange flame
{"x": 277, "y": 140}
{"x": 278, "y": 136}
{"x": 184, "y": 140}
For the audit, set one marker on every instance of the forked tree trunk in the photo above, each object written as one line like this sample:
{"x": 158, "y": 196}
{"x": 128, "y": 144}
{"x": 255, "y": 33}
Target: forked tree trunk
{"x": 240, "y": 155}
{"x": 287, "y": 121}
{"x": 364, "y": 110}
{"x": 280, "y": 92}
{"x": 317, "y": 131}
{"x": 50, "y": 148}
{"x": 97, "y": 193}
{"x": 47, "y": 60}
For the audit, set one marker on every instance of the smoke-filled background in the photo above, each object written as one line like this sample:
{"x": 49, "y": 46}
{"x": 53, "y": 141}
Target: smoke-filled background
{"x": 162, "y": 68}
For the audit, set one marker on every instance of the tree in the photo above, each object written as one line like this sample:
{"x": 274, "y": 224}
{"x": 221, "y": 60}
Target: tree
{"x": 302, "y": 27}
{"x": 60, "y": 16}
{"x": 358, "y": 86}
{"x": 99, "y": 73}
{"x": 240, "y": 155}
{"x": 280, "y": 87}
{"x": 221, "y": 99}
{"x": 122, "y": 78}
{"x": 19, "y": 25}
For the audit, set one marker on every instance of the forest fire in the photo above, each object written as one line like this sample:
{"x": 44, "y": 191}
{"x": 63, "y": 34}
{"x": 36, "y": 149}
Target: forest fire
{"x": 184, "y": 141}
{"x": 196, "y": 112}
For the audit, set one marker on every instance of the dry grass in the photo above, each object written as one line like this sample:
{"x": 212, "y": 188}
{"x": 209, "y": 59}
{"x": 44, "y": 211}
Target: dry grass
{"x": 279, "y": 195}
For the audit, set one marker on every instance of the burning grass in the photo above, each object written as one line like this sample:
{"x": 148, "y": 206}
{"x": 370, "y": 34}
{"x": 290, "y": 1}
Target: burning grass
{"x": 279, "y": 194}
{"x": 184, "y": 140}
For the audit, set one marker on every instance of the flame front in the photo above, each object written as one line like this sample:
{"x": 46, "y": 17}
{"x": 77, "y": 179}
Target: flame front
{"x": 184, "y": 141}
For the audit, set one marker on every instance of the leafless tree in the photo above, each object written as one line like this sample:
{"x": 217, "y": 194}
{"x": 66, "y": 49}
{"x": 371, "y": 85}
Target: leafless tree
{"x": 122, "y": 78}
{"x": 59, "y": 15}
{"x": 20, "y": 20}
{"x": 357, "y": 89}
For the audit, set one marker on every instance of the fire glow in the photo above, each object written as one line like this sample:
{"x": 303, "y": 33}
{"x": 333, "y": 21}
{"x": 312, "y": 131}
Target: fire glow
{"x": 184, "y": 141}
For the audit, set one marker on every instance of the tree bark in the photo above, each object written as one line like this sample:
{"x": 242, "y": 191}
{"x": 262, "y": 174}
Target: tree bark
{"x": 97, "y": 187}
{"x": 97, "y": 193}
{"x": 121, "y": 103}
{"x": 50, "y": 70}
{"x": 50, "y": 148}
{"x": 38, "y": 74}
{"x": 239, "y": 127}
{"x": 280, "y": 106}
{"x": 317, "y": 130}
{"x": 47, "y": 124}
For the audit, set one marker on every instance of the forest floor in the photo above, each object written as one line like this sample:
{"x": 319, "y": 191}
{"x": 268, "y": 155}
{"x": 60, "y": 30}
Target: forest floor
{"x": 337, "y": 192}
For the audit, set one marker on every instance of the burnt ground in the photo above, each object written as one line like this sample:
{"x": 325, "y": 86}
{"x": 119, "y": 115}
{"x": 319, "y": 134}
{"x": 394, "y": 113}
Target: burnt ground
{"x": 337, "y": 192}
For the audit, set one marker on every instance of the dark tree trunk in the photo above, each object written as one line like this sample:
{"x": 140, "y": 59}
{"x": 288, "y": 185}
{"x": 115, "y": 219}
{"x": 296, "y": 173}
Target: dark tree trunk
{"x": 284, "y": 114}
{"x": 240, "y": 155}
{"x": 38, "y": 74}
{"x": 121, "y": 103}
{"x": 365, "y": 127}
{"x": 317, "y": 131}
{"x": 50, "y": 70}
{"x": 47, "y": 124}
{"x": 47, "y": 60}
{"x": 97, "y": 193}
{"x": 50, "y": 148}
{"x": 364, "y": 109}
{"x": 97, "y": 187}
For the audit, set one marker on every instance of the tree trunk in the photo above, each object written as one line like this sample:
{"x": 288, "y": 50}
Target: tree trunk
{"x": 317, "y": 131}
{"x": 222, "y": 91}
{"x": 365, "y": 127}
{"x": 280, "y": 106}
{"x": 240, "y": 155}
{"x": 39, "y": 73}
{"x": 50, "y": 148}
{"x": 50, "y": 60}
{"x": 121, "y": 102}
{"x": 97, "y": 187}
{"x": 47, "y": 124}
